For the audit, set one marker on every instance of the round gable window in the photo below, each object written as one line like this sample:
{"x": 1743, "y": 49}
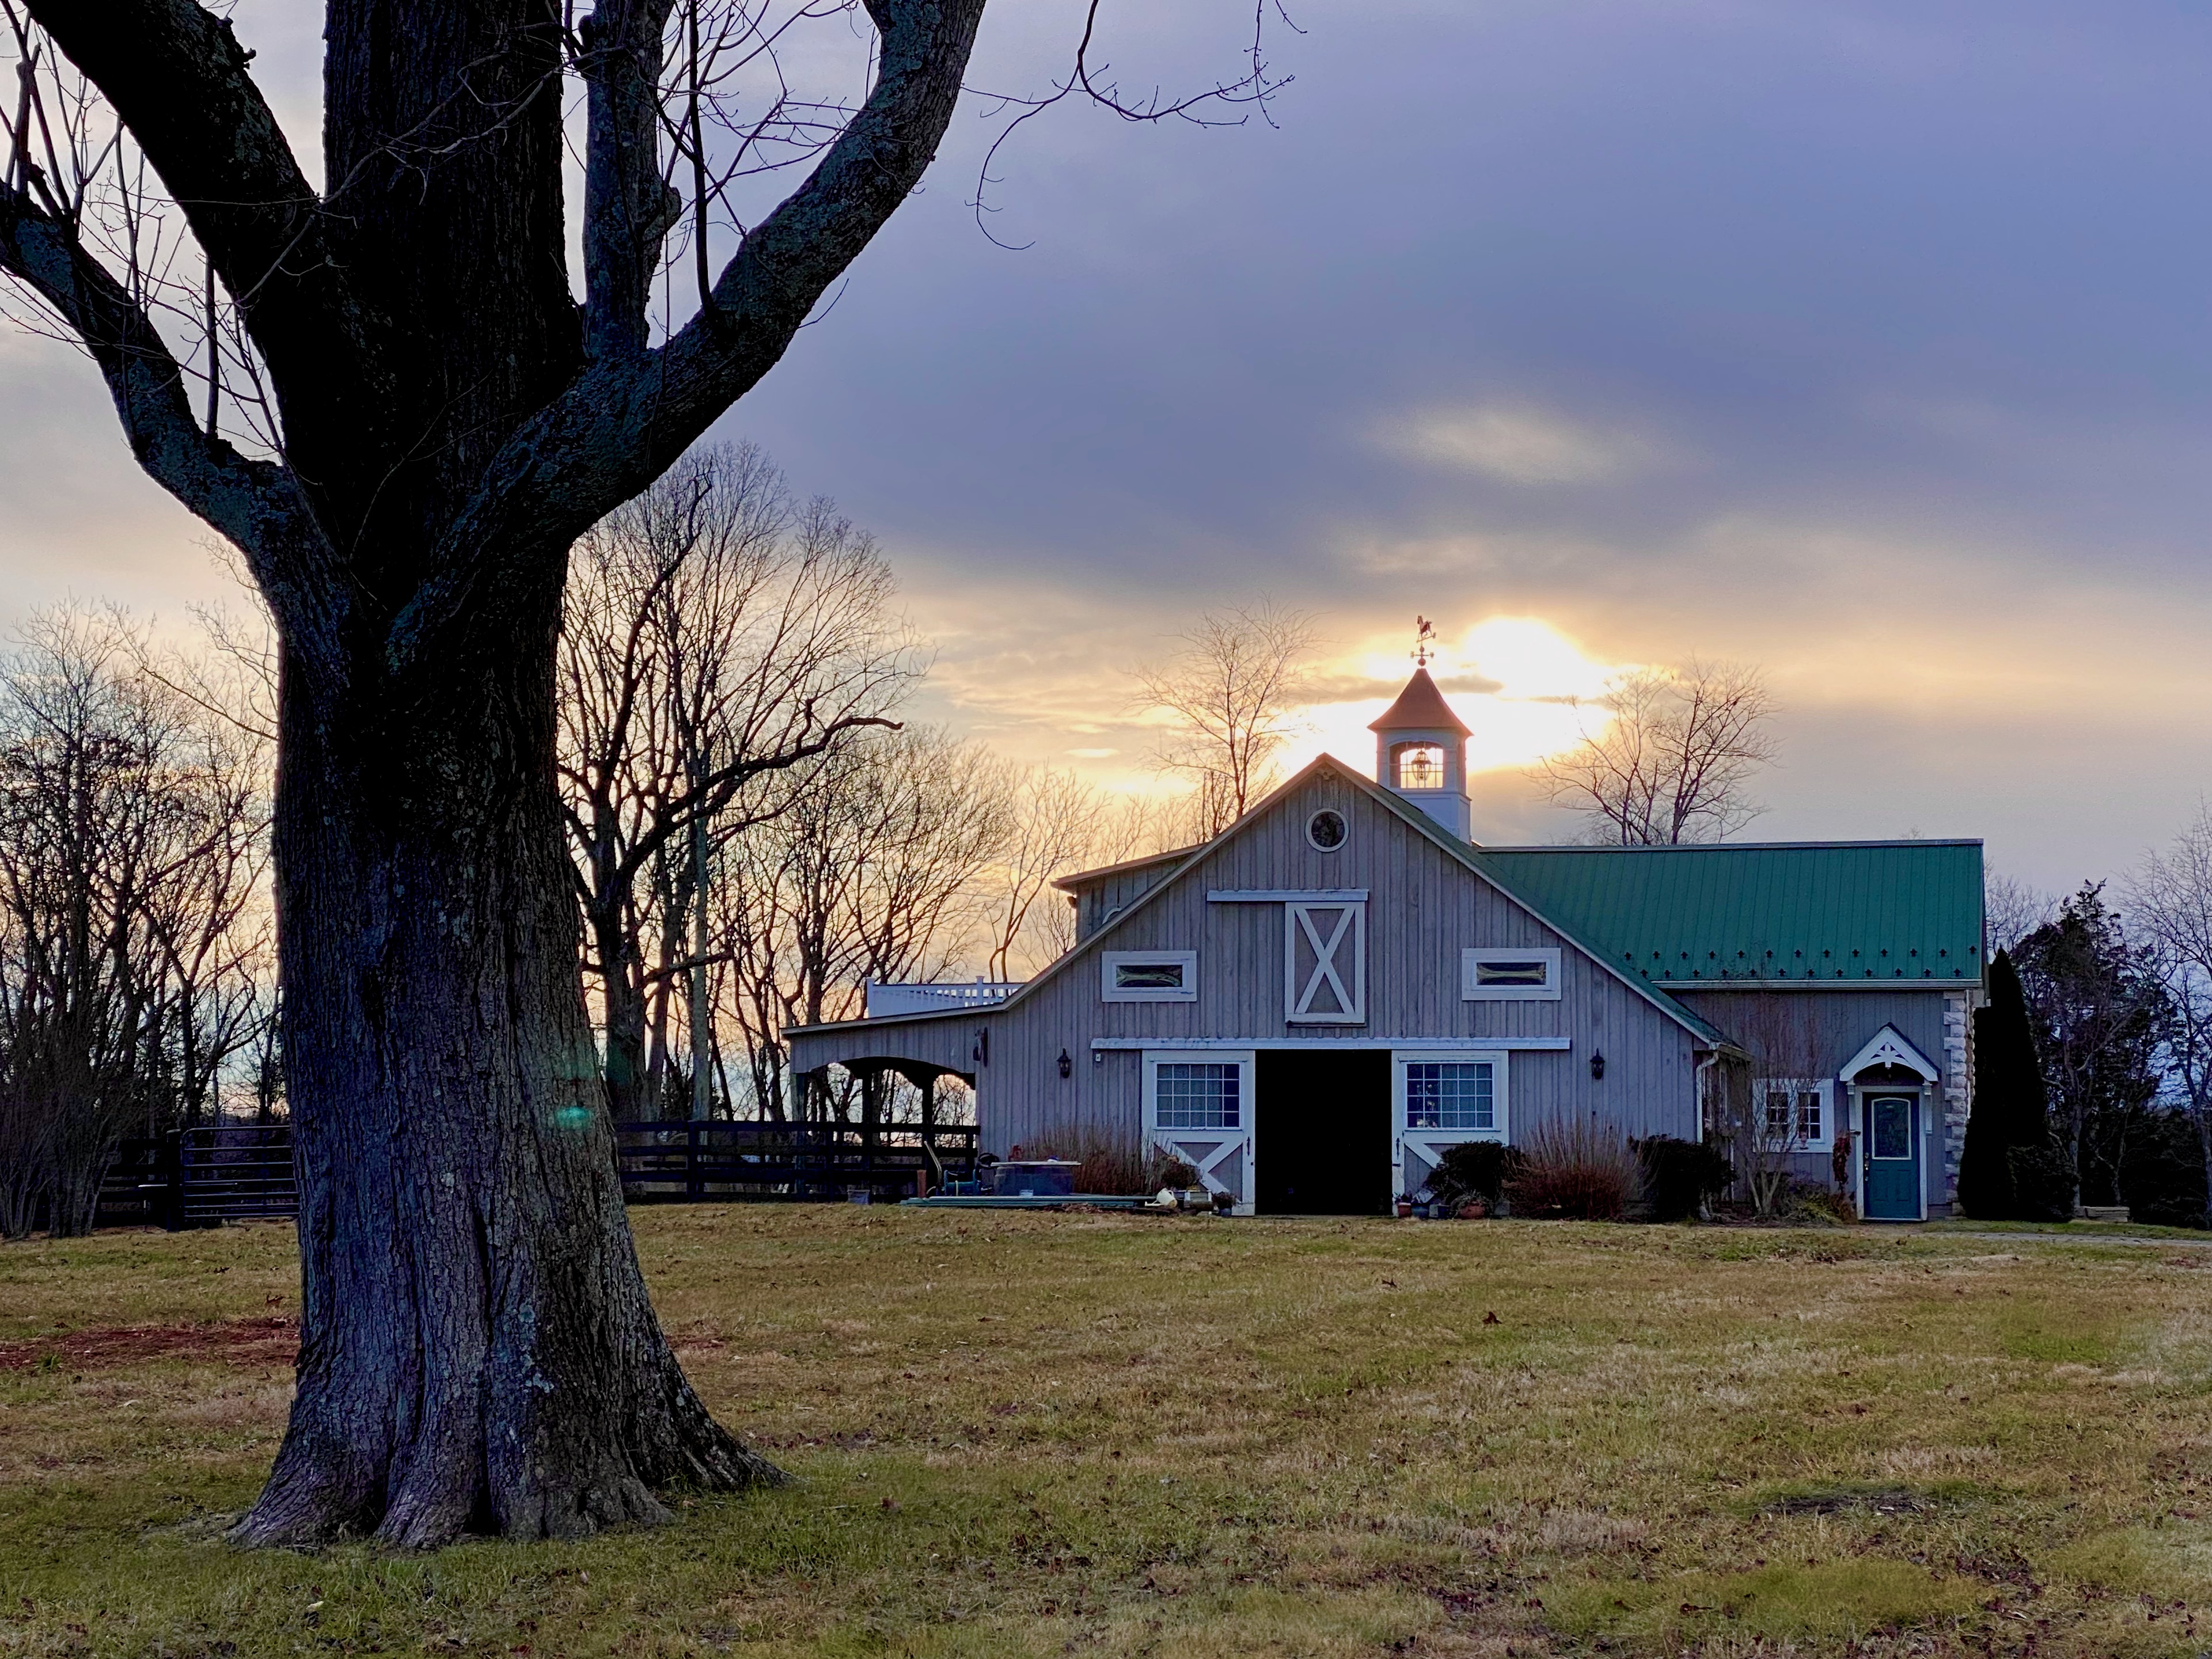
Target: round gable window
{"x": 1326, "y": 830}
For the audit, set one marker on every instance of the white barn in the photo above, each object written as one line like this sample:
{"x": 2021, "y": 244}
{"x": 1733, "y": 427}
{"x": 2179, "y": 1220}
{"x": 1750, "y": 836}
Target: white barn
{"x": 1310, "y": 1007}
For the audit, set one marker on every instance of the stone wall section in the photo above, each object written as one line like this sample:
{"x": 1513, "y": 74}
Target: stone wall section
{"x": 1958, "y": 1087}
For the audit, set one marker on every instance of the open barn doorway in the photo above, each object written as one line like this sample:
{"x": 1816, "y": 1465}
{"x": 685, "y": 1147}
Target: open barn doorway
{"x": 1322, "y": 1131}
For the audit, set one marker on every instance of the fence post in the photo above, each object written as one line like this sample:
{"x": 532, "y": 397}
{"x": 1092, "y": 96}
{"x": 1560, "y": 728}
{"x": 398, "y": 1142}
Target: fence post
{"x": 693, "y": 1187}
{"x": 172, "y": 1197}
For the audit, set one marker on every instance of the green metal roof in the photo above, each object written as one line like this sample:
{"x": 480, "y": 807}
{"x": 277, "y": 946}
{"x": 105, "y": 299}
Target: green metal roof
{"x": 1893, "y": 912}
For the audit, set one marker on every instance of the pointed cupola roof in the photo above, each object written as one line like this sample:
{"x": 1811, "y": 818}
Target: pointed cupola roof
{"x": 1420, "y": 707}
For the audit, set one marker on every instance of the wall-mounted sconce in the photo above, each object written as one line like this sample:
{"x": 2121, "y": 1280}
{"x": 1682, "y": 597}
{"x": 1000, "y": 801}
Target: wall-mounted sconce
{"x": 1597, "y": 1066}
{"x": 1066, "y": 1065}
{"x": 1097, "y": 1056}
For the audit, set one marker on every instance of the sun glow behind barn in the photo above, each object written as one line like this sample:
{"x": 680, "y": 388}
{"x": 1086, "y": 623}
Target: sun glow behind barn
{"x": 1525, "y": 689}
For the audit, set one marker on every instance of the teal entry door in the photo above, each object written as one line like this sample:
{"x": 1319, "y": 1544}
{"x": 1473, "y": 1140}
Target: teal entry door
{"x": 1893, "y": 1157}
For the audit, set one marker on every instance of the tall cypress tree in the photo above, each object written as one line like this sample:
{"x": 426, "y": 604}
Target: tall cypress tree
{"x": 2011, "y": 1106}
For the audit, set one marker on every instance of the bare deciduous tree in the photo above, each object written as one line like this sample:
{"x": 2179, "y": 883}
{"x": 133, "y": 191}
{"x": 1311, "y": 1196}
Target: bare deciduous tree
{"x": 1675, "y": 759}
{"x": 2011, "y": 910}
{"x": 2171, "y": 899}
{"x": 869, "y": 876}
{"x": 1762, "y": 1110}
{"x": 133, "y": 922}
{"x": 716, "y": 632}
{"x": 1229, "y": 695}
{"x": 1056, "y": 820}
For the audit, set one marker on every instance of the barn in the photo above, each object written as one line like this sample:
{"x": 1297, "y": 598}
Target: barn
{"x": 1311, "y": 1007}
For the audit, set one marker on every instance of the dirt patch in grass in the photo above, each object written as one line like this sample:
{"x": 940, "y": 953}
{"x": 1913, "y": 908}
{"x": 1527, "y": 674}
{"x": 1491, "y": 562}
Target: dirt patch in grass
{"x": 1834, "y": 1500}
{"x": 253, "y": 1344}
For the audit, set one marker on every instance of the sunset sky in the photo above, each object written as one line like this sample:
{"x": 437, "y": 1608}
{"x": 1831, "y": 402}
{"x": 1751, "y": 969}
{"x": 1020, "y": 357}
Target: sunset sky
{"x": 1868, "y": 341}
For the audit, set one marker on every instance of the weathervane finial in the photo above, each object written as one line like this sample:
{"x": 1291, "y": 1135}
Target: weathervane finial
{"x": 1424, "y": 641}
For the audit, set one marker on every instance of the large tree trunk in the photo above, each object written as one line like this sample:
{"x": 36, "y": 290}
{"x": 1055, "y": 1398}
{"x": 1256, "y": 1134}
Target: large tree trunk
{"x": 476, "y": 1346}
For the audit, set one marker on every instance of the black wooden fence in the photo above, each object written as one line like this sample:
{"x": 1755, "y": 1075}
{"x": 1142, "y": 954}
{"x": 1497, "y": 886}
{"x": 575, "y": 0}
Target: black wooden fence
{"x": 666, "y": 1162}
{"x": 237, "y": 1172}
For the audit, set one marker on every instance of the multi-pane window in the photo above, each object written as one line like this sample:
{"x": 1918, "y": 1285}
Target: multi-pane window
{"x": 1794, "y": 1114}
{"x": 1197, "y": 1095}
{"x": 1450, "y": 1095}
{"x": 1420, "y": 766}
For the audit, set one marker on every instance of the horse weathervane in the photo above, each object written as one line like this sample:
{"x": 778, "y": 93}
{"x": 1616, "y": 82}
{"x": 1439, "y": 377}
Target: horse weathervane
{"x": 1424, "y": 641}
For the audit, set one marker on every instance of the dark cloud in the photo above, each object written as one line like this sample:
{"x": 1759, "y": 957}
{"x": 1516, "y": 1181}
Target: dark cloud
{"x": 1862, "y": 338}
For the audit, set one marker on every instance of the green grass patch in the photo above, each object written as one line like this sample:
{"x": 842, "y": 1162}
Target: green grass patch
{"x": 1833, "y": 1607}
{"x": 1040, "y": 1434}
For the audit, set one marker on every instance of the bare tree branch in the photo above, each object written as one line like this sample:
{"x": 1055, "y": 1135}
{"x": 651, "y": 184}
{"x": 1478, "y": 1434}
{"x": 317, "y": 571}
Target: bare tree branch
{"x": 178, "y": 79}
{"x": 628, "y": 415}
{"x": 1229, "y": 694}
{"x": 257, "y": 505}
{"x": 1675, "y": 759}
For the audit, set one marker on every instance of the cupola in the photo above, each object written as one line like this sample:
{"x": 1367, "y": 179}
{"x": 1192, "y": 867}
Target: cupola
{"x": 1420, "y": 752}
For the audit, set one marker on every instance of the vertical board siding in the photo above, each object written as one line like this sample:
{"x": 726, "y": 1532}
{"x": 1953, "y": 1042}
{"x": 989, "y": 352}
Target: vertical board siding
{"x": 1424, "y": 907}
{"x": 1841, "y": 1020}
{"x": 1837, "y": 1023}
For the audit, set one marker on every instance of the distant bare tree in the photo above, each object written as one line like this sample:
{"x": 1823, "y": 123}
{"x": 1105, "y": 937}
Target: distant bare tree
{"x": 133, "y": 922}
{"x": 870, "y": 875}
{"x": 1055, "y": 822}
{"x": 1675, "y": 759}
{"x": 1230, "y": 694}
{"x": 717, "y": 632}
{"x": 2011, "y": 910}
{"x": 1113, "y": 829}
{"x": 2171, "y": 899}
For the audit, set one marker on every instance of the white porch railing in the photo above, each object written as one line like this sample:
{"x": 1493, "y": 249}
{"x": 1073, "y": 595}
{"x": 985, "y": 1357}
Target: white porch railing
{"x": 882, "y": 1000}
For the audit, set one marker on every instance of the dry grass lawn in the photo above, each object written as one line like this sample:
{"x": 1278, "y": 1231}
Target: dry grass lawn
{"x": 1041, "y": 1434}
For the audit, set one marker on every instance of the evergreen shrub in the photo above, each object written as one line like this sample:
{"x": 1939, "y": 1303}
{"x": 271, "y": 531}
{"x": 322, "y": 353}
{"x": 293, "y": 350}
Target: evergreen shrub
{"x": 2162, "y": 1177}
{"x": 2011, "y": 1110}
{"x": 1473, "y": 1169}
{"x": 2042, "y": 1182}
{"x": 1679, "y": 1176}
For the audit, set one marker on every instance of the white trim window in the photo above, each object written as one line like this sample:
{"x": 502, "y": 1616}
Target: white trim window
{"x": 1451, "y": 1094}
{"x": 1438, "y": 1100}
{"x": 1325, "y": 962}
{"x": 1488, "y": 973}
{"x": 1795, "y": 1112}
{"x": 1199, "y": 1094}
{"x": 1198, "y": 1106}
{"x": 1148, "y": 975}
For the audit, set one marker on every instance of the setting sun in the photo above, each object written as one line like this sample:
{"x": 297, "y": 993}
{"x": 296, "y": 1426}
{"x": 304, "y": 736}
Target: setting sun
{"x": 1513, "y": 679}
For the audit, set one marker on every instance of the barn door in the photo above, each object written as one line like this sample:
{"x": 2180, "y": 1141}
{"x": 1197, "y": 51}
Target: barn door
{"x": 1325, "y": 962}
{"x": 1198, "y": 1106}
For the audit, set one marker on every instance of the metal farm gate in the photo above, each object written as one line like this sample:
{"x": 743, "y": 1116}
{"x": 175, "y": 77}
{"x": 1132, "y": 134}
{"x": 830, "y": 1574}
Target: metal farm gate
{"x": 238, "y": 1172}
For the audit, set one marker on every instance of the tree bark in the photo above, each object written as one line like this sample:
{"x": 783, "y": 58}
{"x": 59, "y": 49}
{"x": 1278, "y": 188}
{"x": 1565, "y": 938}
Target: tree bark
{"x": 476, "y": 1346}
{"x": 477, "y": 1349}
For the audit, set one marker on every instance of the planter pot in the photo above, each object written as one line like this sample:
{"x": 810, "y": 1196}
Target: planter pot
{"x": 1404, "y": 1209}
